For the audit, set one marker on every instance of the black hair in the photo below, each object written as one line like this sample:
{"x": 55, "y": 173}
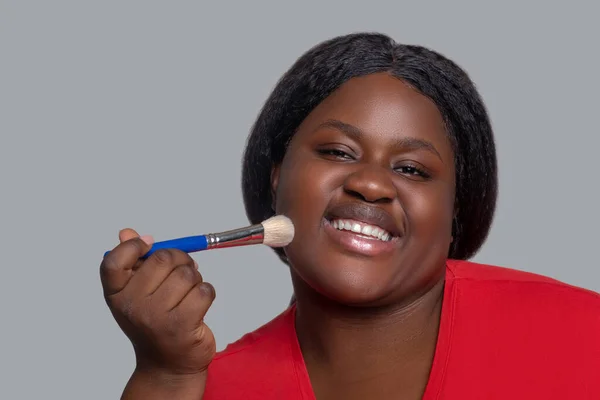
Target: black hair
{"x": 325, "y": 67}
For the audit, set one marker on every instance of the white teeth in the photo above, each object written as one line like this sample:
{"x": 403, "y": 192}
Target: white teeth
{"x": 367, "y": 230}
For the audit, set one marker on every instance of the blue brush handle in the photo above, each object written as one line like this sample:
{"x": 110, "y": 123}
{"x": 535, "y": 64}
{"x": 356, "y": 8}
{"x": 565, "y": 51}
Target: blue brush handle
{"x": 188, "y": 244}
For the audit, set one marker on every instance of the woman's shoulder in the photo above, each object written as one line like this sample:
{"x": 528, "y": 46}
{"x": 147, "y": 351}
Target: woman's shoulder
{"x": 478, "y": 272}
{"x": 258, "y": 363}
{"x": 507, "y": 325}
{"x": 524, "y": 293}
{"x": 274, "y": 334}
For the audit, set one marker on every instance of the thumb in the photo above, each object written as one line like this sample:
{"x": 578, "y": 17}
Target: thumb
{"x": 127, "y": 234}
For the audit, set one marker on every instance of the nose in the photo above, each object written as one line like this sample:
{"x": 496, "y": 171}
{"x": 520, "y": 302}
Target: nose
{"x": 371, "y": 184}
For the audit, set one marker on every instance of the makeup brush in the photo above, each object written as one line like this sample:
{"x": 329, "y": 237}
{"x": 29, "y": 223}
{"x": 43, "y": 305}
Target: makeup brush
{"x": 277, "y": 231}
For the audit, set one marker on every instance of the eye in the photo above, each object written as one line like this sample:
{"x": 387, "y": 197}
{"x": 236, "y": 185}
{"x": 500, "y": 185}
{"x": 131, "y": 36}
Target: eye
{"x": 335, "y": 154}
{"x": 413, "y": 171}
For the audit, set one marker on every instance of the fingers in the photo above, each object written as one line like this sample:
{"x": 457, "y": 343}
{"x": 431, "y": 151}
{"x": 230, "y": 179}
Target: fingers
{"x": 197, "y": 302}
{"x": 153, "y": 272}
{"x": 116, "y": 268}
{"x": 176, "y": 286}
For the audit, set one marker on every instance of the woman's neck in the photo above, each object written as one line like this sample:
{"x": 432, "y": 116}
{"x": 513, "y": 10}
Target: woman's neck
{"x": 386, "y": 349}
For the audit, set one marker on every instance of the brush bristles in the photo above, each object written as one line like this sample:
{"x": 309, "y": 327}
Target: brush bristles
{"x": 279, "y": 231}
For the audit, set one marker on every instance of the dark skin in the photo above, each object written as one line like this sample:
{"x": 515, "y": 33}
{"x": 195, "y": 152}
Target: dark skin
{"x": 367, "y": 316}
{"x": 368, "y": 325}
{"x": 160, "y": 304}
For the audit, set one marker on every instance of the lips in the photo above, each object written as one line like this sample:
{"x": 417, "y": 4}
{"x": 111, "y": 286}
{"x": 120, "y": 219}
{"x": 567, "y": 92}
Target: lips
{"x": 355, "y": 216}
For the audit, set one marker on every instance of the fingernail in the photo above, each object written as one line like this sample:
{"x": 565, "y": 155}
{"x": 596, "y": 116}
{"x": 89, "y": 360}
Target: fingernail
{"x": 147, "y": 239}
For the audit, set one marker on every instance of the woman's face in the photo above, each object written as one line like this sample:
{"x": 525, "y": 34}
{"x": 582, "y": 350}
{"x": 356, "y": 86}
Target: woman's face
{"x": 368, "y": 180}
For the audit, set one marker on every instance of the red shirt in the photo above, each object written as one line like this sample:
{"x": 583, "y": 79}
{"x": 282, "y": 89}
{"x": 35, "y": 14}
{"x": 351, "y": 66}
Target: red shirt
{"x": 504, "y": 334}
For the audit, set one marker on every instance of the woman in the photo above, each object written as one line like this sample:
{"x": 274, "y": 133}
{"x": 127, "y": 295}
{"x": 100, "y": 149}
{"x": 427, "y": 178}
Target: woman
{"x": 383, "y": 157}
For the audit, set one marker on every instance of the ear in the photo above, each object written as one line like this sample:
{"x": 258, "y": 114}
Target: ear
{"x": 274, "y": 184}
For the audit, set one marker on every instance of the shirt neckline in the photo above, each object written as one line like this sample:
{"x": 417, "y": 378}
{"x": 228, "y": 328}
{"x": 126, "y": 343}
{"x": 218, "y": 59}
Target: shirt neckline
{"x": 433, "y": 389}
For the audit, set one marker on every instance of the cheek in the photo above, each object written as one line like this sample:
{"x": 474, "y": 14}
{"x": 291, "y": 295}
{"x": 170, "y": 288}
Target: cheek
{"x": 302, "y": 192}
{"x": 430, "y": 211}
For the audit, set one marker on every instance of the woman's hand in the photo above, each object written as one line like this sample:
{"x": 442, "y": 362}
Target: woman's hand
{"x": 160, "y": 304}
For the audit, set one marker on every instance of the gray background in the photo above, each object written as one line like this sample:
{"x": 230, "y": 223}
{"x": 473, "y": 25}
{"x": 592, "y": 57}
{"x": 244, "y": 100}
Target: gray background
{"x": 135, "y": 113}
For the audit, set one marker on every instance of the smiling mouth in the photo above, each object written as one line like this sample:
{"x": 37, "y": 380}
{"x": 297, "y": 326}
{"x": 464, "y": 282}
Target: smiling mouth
{"x": 362, "y": 229}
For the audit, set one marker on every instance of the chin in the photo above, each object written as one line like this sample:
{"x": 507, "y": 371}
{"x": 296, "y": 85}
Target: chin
{"x": 355, "y": 297}
{"x": 354, "y": 283}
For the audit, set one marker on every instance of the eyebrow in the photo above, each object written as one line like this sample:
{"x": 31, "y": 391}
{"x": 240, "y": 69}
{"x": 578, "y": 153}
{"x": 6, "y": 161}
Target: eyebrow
{"x": 410, "y": 143}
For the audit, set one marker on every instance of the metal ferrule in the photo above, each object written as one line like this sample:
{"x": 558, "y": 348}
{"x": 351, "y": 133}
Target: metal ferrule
{"x": 254, "y": 234}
